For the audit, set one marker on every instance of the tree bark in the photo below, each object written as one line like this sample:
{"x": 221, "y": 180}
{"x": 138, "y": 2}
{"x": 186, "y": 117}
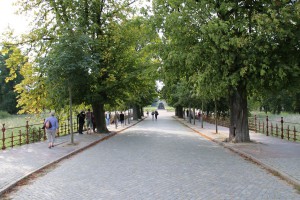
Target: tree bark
{"x": 71, "y": 115}
{"x": 142, "y": 112}
{"x": 190, "y": 115}
{"x": 180, "y": 111}
{"x": 194, "y": 116}
{"x": 239, "y": 130}
{"x": 135, "y": 111}
{"x": 216, "y": 116}
{"x": 99, "y": 113}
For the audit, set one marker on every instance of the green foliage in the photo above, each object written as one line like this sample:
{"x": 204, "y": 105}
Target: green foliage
{"x": 225, "y": 44}
{"x": 236, "y": 49}
{"x": 67, "y": 66}
{"x": 4, "y": 114}
{"x": 9, "y": 77}
{"x": 99, "y": 55}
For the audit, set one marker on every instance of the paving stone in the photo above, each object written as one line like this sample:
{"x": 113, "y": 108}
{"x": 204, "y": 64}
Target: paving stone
{"x": 157, "y": 160}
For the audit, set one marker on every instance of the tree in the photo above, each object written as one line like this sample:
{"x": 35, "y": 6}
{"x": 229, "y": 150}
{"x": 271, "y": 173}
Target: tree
{"x": 66, "y": 69}
{"x": 9, "y": 78}
{"x": 229, "y": 48}
{"x": 102, "y": 24}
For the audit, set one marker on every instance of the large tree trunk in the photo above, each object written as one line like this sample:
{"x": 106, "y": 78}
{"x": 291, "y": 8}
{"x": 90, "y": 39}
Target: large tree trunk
{"x": 135, "y": 114}
{"x": 99, "y": 113}
{"x": 239, "y": 130}
{"x": 71, "y": 114}
{"x": 216, "y": 116}
{"x": 142, "y": 112}
{"x": 180, "y": 111}
{"x": 190, "y": 114}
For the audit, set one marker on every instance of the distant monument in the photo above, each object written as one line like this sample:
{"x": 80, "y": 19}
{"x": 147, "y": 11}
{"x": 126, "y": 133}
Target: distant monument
{"x": 161, "y": 106}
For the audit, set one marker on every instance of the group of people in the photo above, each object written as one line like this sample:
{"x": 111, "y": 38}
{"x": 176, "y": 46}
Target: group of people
{"x": 117, "y": 117}
{"x": 154, "y": 114}
{"x": 51, "y": 125}
{"x": 90, "y": 121}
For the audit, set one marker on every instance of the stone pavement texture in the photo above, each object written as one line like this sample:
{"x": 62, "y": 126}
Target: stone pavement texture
{"x": 18, "y": 163}
{"x": 279, "y": 156}
{"x": 157, "y": 160}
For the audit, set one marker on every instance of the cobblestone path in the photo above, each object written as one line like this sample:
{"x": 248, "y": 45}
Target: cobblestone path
{"x": 156, "y": 160}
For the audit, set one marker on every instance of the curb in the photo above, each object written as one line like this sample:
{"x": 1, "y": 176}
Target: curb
{"x": 265, "y": 166}
{"x": 8, "y": 188}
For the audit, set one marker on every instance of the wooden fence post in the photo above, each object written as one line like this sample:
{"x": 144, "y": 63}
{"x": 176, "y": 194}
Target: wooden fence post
{"x": 3, "y": 136}
{"x": 255, "y": 124}
{"x": 267, "y": 119}
{"x": 20, "y": 137}
{"x": 288, "y": 132}
{"x": 12, "y": 140}
{"x": 294, "y": 134}
{"x": 27, "y": 133}
{"x": 281, "y": 121}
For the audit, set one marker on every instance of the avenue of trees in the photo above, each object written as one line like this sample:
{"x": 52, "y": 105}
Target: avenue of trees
{"x": 229, "y": 51}
{"x": 83, "y": 52}
{"x": 221, "y": 55}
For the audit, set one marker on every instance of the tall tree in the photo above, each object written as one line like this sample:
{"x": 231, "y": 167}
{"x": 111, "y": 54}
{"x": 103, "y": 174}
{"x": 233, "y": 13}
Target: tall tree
{"x": 10, "y": 77}
{"x": 231, "y": 50}
{"x": 102, "y": 24}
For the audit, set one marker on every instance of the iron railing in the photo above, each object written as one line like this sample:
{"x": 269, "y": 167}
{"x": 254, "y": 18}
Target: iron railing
{"x": 30, "y": 133}
{"x": 277, "y": 128}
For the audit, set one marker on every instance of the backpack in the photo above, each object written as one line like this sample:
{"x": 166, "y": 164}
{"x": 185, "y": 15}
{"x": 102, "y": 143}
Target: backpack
{"x": 48, "y": 124}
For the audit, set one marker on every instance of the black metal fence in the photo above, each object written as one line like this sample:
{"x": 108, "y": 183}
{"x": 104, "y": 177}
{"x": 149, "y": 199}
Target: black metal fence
{"x": 30, "y": 133}
{"x": 277, "y": 128}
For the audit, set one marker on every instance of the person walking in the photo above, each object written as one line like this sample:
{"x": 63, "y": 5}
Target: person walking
{"x": 107, "y": 117}
{"x": 152, "y": 115}
{"x": 122, "y": 118}
{"x": 80, "y": 121}
{"x": 51, "y": 126}
{"x": 156, "y": 113}
{"x": 94, "y": 122}
{"x": 89, "y": 121}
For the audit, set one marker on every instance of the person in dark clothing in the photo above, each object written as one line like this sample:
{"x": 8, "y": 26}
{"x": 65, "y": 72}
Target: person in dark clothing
{"x": 156, "y": 113}
{"x": 80, "y": 121}
{"x": 122, "y": 118}
{"x": 94, "y": 122}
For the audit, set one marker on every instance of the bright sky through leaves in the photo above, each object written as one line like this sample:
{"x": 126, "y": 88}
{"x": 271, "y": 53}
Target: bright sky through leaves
{"x": 8, "y": 18}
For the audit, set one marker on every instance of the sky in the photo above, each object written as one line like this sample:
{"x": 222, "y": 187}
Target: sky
{"x": 8, "y": 18}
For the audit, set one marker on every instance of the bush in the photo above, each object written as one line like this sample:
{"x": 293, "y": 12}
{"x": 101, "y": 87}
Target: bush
{"x": 4, "y": 114}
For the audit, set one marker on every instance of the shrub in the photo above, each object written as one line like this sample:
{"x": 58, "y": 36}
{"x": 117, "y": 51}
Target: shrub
{"x": 4, "y": 114}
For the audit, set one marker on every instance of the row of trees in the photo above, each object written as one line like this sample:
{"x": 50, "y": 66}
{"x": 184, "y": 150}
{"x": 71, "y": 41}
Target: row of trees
{"x": 91, "y": 52}
{"x": 208, "y": 53}
{"x": 228, "y": 51}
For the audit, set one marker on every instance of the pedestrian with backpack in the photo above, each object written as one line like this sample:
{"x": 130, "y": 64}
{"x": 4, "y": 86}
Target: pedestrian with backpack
{"x": 51, "y": 126}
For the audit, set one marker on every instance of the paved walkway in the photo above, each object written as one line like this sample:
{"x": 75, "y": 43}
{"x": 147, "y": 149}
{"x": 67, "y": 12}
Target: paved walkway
{"x": 19, "y": 163}
{"x": 276, "y": 155}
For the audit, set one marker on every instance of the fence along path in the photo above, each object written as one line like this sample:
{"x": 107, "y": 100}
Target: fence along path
{"x": 31, "y": 133}
{"x": 277, "y": 128}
